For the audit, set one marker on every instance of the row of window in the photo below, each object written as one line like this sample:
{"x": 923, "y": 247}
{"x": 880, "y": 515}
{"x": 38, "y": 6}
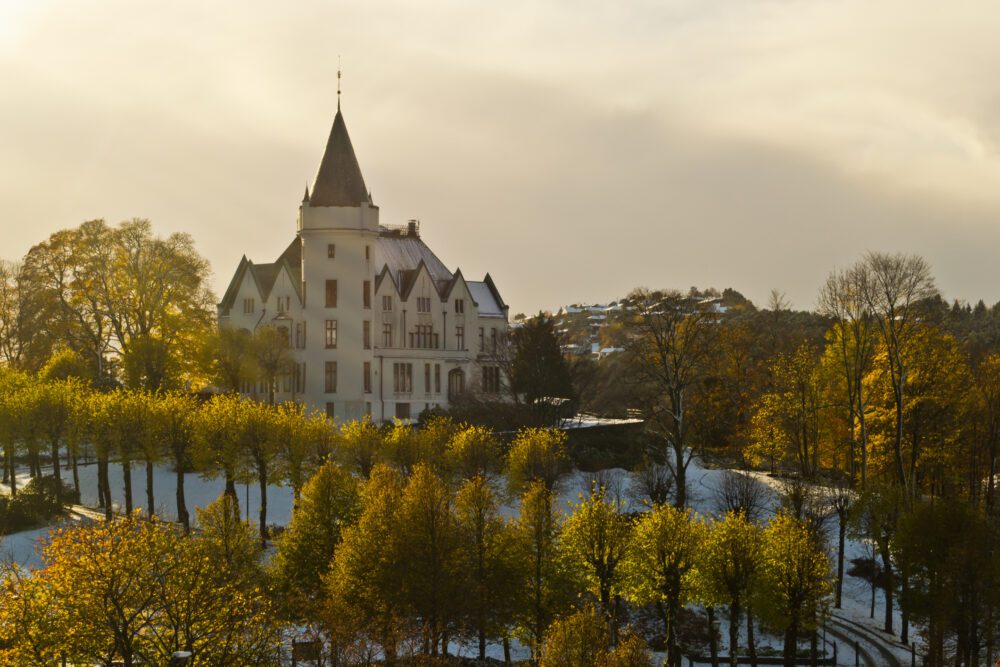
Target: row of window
{"x": 331, "y": 251}
{"x": 402, "y": 409}
{"x": 330, "y": 377}
{"x": 331, "y": 334}
{"x": 422, "y": 337}
{"x": 331, "y": 409}
{"x": 402, "y": 376}
{"x": 284, "y": 303}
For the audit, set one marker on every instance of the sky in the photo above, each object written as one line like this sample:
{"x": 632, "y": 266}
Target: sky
{"x": 573, "y": 149}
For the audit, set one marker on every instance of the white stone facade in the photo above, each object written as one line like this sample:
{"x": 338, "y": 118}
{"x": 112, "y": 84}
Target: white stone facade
{"x": 376, "y": 323}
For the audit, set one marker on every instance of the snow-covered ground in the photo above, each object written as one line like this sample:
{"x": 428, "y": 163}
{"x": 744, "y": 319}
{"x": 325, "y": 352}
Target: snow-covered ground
{"x": 703, "y": 484}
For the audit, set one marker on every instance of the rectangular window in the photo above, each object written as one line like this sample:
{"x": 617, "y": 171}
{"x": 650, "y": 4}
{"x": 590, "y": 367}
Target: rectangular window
{"x": 459, "y": 305}
{"x": 366, "y": 376}
{"x": 387, "y": 302}
{"x": 331, "y": 293}
{"x": 493, "y": 340}
{"x": 331, "y": 333}
{"x": 300, "y": 377}
{"x": 437, "y": 378}
{"x": 423, "y": 337}
{"x": 423, "y": 304}
{"x": 402, "y": 376}
{"x": 482, "y": 340}
{"x": 368, "y": 252}
{"x": 402, "y": 410}
{"x": 367, "y": 296}
{"x": 491, "y": 379}
{"x": 386, "y": 335}
{"x": 366, "y": 334}
{"x": 331, "y": 250}
{"x": 247, "y": 306}
{"x": 300, "y": 335}
{"x": 427, "y": 378}
{"x": 330, "y": 377}
{"x": 460, "y": 338}
{"x": 368, "y": 408}
{"x": 330, "y": 412}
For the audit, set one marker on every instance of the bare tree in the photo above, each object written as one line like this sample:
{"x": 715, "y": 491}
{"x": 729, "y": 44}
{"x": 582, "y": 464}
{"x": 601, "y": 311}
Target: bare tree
{"x": 741, "y": 492}
{"x": 844, "y": 299}
{"x": 652, "y": 483}
{"x": 12, "y": 326}
{"x": 896, "y": 286}
{"x": 840, "y": 500}
{"x": 671, "y": 339}
{"x": 611, "y": 483}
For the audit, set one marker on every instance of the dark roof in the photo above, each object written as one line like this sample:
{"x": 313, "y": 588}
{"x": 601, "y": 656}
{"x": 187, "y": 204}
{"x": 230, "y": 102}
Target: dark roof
{"x": 339, "y": 181}
{"x": 265, "y": 275}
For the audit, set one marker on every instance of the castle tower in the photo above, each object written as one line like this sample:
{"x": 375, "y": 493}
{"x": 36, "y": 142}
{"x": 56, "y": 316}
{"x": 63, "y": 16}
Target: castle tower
{"x": 338, "y": 227}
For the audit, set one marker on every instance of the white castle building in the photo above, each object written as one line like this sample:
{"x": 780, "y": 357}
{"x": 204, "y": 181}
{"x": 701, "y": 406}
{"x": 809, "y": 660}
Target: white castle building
{"x": 377, "y": 324}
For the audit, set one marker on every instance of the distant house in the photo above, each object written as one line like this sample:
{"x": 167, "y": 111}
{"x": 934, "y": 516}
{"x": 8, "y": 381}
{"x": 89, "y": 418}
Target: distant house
{"x": 377, "y": 324}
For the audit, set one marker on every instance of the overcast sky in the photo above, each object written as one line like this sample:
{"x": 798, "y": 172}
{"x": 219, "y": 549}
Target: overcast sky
{"x": 574, "y": 149}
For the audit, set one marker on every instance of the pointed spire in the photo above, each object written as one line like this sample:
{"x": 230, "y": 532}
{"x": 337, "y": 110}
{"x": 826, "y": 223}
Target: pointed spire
{"x": 339, "y": 181}
{"x": 305, "y": 198}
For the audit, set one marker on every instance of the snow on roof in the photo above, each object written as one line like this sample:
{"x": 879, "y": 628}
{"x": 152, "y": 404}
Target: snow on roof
{"x": 481, "y": 294}
{"x": 405, "y": 254}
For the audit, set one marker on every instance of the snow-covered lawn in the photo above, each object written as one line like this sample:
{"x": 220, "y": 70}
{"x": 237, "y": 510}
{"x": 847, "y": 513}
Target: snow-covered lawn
{"x": 704, "y": 484}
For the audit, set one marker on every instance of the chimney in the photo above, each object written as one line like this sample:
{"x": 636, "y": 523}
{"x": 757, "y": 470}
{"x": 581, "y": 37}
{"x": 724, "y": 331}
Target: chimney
{"x": 413, "y": 228}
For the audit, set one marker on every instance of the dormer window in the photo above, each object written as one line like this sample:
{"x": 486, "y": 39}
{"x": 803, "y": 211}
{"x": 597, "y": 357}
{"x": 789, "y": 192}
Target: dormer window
{"x": 459, "y": 305}
{"x": 386, "y": 302}
{"x": 423, "y": 304}
{"x": 247, "y": 306}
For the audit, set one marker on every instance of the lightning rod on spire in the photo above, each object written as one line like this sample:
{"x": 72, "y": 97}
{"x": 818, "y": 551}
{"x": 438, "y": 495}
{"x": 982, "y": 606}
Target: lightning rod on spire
{"x": 338, "y": 83}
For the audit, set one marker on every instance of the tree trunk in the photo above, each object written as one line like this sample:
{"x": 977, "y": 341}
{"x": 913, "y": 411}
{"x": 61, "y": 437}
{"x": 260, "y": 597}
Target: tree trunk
{"x": 101, "y": 472}
{"x": 182, "y": 513}
{"x": 12, "y": 472}
{"x": 34, "y": 463}
{"x": 56, "y": 472}
{"x": 713, "y": 643}
{"x": 791, "y": 643}
{"x": 231, "y": 491}
{"x": 76, "y": 475}
{"x": 904, "y": 607}
{"x": 106, "y": 489}
{"x": 751, "y": 644}
{"x": 734, "y": 632}
{"x": 127, "y": 479}
{"x": 680, "y": 478}
{"x": 150, "y": 500}
{"x": 262, "y": 479}
{"x": 841, "y": 533}
{"x": 889, "y": 583}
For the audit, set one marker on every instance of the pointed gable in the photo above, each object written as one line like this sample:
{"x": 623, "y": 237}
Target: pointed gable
{"x": 339, "y": 181}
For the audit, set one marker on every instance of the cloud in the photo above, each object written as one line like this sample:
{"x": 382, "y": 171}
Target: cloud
{"x": 572, "y": 149}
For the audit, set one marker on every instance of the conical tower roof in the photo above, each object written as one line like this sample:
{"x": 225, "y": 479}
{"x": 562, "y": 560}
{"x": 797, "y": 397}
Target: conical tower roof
{"x": 339, "y": 181}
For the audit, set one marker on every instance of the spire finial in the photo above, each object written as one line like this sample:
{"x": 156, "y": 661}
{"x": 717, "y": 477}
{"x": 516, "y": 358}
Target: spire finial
{"x": 338, "y": 83}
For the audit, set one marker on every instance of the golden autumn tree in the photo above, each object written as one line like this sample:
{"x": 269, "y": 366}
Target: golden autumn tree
{"x": 133, "y": 591}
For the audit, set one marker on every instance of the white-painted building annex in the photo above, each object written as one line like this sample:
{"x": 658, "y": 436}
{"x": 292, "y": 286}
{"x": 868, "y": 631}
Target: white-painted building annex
{"x": 377, "y": 324}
